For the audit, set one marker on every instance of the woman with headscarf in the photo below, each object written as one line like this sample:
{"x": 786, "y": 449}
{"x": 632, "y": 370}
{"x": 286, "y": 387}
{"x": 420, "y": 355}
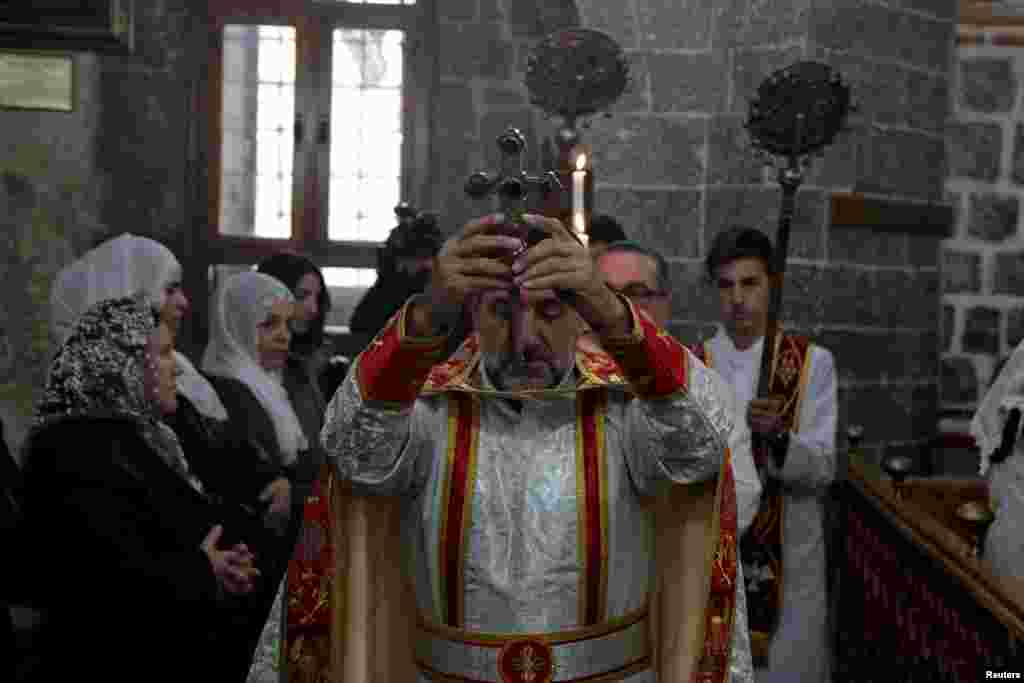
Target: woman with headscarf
{"x": 1004, "y": 544}
{"x": 133, "y": 266}
{"x": 132, "y": 551}
{"x": 306, "y": 638}
{"x": 245, "y": 360}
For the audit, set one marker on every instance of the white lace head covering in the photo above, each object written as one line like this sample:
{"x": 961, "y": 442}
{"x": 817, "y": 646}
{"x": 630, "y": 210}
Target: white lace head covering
{"x": 241, "y": 303}
{"x": 134, "y": 267}
{"x": 1005, "y": 394}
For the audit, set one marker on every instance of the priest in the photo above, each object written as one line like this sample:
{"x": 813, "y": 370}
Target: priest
{"x": 531, "y": 509}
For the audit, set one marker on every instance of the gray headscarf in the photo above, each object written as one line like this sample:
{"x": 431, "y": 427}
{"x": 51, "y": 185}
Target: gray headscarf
{"x": 100, "y": 372}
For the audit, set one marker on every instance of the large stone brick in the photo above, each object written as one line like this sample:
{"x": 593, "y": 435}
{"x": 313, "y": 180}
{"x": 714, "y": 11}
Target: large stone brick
{"x": 987, "y": 84}
{"x": 456, "y": 114}
{"x": 758, "y": 207}
{"x": 667, "y": 220}
{"x": 884, "y": 411}
{"x": 923, "y": 250}
{"x": 476, "y": 51}
{"x": 466, "y": 11}
{"x": 981, "y": 330}
{"x": 959, "y": 382}
{"x": 1014, "y": 327}
{"x": 729, "y": 23}
{"x": 961, "y": 272}
{"x": 675, "y": 24}
{"x": 939, "y": 9}
{"x": 1017, "y": 169}
{"x": 992, "y": 218}
{"x": 948, "y": 325}
{"x": 924, "y": 410}
{"x": 906, "y": 164}
{"x": 638, "y": 95}
{"x": 522, "y": 18}
{"x": 614, "y": 18}
{"x": 693, "y": 82}
{"x": 556, "y": 15}
{"x": 693, "y": 297}
{"x": 922, "y": 42}
{"x": 1009, "y": 274}
{"x": 975, "y": 150}
{"x": 805, "y": 294}
{"x": 859, "y": 356}
{"x": 772, "y": 22}
{"x": 850, "y": 26}
{"x": 896, "y": 301}
{"x": 490, "y": 10}
{"x": 731, "y": 158}
{"x": 853, "y": 297}
{"x": 862, "y": 245}
{"x": 927, "y": 101}
{"x": 649, "y": 150}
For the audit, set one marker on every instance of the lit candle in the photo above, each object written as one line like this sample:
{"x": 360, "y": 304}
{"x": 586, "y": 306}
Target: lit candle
{"x": 579, "y": 177}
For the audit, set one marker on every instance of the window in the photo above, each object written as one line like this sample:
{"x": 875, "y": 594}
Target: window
{"x": 313, "y": 138}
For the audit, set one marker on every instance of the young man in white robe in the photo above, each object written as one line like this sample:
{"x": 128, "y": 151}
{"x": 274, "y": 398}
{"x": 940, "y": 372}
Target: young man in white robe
{"x": 798, "y": 425}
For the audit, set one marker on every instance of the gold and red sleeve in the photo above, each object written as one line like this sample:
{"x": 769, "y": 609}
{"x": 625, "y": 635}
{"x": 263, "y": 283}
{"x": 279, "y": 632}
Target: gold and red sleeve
{"x": 653, "y": 362}
{"x": 393, "y": 368}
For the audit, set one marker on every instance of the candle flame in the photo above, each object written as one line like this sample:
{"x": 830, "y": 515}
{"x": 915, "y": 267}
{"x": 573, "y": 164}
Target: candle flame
{"x": 581, "y": 162}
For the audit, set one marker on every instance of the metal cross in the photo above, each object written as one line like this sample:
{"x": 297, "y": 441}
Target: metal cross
{"x": 513, "y": 186}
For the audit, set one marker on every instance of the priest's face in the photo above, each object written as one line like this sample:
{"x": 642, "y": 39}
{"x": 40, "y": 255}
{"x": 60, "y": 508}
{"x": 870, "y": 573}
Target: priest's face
{"x": 526, "y": 344}
{"x": 636, "y": 275}
{"x": 744, "y": 289}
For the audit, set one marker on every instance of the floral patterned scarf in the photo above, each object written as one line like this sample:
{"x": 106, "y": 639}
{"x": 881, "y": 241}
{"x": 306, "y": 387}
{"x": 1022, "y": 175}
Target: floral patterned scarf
{"x": 100, "y": 372}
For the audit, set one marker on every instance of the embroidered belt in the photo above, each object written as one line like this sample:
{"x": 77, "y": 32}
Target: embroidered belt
{"x": 603, "y": 652}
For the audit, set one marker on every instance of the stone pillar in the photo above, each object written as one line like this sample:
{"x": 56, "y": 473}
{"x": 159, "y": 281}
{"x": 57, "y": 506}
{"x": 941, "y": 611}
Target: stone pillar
{"x": 674, "y": 165}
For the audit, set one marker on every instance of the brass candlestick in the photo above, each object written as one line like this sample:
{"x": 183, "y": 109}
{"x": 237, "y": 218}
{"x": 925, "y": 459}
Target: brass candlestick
{"x": 979, "y": 516}
{"x": 899, "y": 468}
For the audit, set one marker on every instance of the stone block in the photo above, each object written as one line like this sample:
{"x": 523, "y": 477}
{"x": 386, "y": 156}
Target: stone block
{"x": 456, "y": 113}
{"x": 647, "y": 150}
{"x": 838, "y": 165}
{"x": 939, "y": 9}
{"x": 693, "y": 82}
{"x": 476, "y": 51}
{"x": 991, "y": 217}
{"x": 864, "y": 246}
{"x": 987, "y": 84}
{"x": 773, "y": 22}
{"x": 693, "y": 297}
{"x": 1009, "y": 274}
{"x": 490, "y": 10}
{"x": 961, "y": 272}
{"x": 504, "y": 97}
{"x": 923, "y": 250}
{"x": 758, "y": 207}
{"x": 959, "y": 380}
{"x": 729, "y": 22}
{"x": 854, "y": 296}
{"x": 924, "y": 410}
{"x": 921, "y": 42}
{"x": 859, "y": 356}
{"x": 731, "y": 159}
{"x": 750, "y": 67}
{"x": 467, "y": 10}
{"x": 1017, "y": 169}
{"x": 523, "y": 19}
{"x": 614, "y": 18}
{"x": 674, "y": 24}
{"x": 667, "y": 220}
{"x": 805, "y": 294}
{"x": 981, "y": 330}
{"x": 851, "y": 26}
{"x": 927, "y": 101}
{"x": 975, "y": 150}
{"x": 691, "y": 332}
{"x": 905, "y": 164}
{"x": 556, "y": 15}
{"x": 948, "y": 326}
{"x": 1014, "y": 327}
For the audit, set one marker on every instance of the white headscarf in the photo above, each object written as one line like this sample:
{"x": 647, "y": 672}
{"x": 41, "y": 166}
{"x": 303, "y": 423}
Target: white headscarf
{"x": 130, "y": 267}
{"x": 241, "y": 303}
{"x": 1005, "y": 394}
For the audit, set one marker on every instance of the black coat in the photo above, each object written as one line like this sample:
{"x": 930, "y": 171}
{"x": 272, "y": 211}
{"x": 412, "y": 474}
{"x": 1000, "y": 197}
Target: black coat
{"x": 114, "y": 536}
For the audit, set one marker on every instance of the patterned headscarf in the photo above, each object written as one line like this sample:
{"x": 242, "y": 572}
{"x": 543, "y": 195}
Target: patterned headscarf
{"x": 239, "y": 306}
{"x": 127, "y": 266}
{"x": 100, "y": 372}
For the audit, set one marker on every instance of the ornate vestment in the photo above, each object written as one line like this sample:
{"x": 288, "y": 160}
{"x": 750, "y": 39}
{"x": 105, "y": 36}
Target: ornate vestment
{"x": 588, "y": 533}
{"x": 783, "y": 553}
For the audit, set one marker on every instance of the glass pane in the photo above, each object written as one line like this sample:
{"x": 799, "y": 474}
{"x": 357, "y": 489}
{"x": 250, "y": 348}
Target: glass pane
{"x": 258, "y": 148}
{"x": 366, "y": 134}
{"x": 347, "y": 287}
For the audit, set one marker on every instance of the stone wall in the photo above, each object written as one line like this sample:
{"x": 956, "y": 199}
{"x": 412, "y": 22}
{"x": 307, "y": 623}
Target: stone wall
{"x": 675, "y": 166}
{"x": 982, "y": 283}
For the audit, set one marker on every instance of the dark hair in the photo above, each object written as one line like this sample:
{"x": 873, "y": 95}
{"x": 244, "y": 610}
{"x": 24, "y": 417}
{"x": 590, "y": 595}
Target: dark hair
{"x": 739, "y": 242}
{"x": 416, "y": 233}
{"x": 661, "y": 274}
{"x": 289, "y": 268}
{"x": 604, "y": 228}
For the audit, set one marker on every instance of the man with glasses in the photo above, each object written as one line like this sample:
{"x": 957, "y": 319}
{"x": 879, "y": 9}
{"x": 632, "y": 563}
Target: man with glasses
{"x": 641, "y": 274}
{"x": 797, "y": 424}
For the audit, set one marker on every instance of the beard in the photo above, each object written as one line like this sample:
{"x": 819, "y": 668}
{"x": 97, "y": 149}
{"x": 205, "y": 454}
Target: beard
{"x": 515, "y": 372}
